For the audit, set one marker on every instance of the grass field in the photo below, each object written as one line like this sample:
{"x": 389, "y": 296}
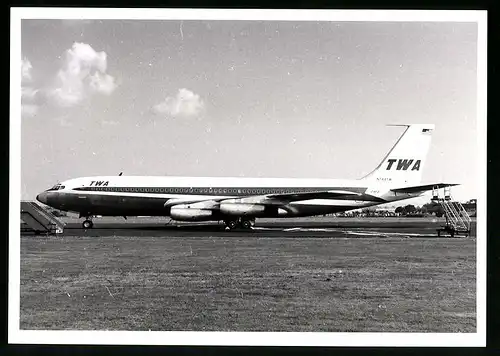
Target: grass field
{"x": 248, "y": 284}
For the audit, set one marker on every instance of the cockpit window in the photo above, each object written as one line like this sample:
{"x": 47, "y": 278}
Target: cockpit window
{"x": 57, "y": 187}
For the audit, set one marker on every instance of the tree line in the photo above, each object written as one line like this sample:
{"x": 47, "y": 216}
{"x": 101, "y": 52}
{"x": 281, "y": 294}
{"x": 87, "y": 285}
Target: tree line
{"x": 431, "y": 208}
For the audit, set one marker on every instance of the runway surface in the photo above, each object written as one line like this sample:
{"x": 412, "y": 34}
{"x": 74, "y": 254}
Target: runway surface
{"x": 378, "y": 227}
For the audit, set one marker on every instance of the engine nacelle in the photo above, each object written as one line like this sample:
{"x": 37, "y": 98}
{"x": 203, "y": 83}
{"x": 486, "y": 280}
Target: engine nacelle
{"x": 187, "y": 214}
{"x": 241, "y": 209}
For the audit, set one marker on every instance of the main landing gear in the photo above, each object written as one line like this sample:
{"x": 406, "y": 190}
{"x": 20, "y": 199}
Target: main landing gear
{"x": 246, "y": 224}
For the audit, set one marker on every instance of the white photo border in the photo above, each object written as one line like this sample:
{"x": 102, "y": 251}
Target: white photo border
{"x": 15, "y": 335}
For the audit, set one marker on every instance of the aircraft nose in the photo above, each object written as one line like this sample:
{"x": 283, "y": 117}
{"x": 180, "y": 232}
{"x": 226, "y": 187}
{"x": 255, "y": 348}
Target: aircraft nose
{"x": 42, "y": 197}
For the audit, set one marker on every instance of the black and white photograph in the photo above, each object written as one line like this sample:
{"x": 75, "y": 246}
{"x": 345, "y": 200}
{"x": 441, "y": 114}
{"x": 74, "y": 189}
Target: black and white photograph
{"x": 299, "y": 177}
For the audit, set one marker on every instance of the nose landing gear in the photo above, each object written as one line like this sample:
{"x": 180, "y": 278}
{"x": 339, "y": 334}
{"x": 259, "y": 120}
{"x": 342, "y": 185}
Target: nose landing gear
{"x": 87, "y": 224}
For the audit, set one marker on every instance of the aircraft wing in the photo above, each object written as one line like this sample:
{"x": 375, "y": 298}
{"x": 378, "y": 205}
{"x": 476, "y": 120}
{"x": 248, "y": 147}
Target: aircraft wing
{"x": 283, "y": 199}
{"x": 422, "y": 188}
{"x": 327, "y": 194}
{"x": 269, "y": 199}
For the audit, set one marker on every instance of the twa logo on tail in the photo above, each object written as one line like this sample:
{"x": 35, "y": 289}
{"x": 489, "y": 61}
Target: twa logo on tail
{"x": 403, "y": 164}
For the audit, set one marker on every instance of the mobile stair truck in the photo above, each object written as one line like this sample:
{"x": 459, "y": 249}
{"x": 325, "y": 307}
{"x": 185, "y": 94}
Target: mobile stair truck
{"x": 458, "y": 221}
{"x": 37, "y": 220}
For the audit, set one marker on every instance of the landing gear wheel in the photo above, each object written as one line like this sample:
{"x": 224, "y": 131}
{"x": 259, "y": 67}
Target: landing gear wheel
{"x": 246, "y": 224}
{"x": 231, "y": 224}
{"x": 87, "y": 224}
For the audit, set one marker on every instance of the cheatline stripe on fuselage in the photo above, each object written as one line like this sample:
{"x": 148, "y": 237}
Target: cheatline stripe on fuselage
{"x": 222, "y": 191}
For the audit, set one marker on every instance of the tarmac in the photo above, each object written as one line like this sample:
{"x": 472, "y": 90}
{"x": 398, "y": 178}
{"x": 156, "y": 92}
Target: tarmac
{"x": 328, "y": 228}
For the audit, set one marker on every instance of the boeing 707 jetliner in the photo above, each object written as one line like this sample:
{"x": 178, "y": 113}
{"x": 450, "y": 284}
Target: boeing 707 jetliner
{"x": 238, "y": 201}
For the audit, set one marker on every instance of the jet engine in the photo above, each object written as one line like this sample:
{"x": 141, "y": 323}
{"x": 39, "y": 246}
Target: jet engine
{"x": 188, "y": 214}
{"x": 241, "y": 209}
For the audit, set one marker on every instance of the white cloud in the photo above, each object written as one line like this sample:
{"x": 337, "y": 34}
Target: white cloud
{"x": 28, "y": 95}
{"x": 102, "y": 83}
{"x": 29, "y": 110}
{"x": 184, "y": 104}
{"x": 84, "y": 73}
{"x": 26, "y": 68}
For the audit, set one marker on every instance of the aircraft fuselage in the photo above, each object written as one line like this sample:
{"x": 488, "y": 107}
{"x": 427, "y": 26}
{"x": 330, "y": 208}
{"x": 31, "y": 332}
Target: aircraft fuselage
{"x": 155, "y": 196}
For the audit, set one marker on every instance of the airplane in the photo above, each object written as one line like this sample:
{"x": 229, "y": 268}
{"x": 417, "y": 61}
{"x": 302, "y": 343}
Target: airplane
{"x": 239, "y": 201}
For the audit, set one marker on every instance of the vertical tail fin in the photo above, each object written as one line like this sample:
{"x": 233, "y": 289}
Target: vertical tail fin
{"x": 403, "y": 165}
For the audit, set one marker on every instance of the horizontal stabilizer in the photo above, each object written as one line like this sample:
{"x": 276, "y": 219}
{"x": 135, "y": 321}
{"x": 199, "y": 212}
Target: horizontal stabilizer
{"x": 422, "y": 188}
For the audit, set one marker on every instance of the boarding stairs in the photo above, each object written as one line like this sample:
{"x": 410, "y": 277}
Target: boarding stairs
{"x": 458, "y": 221}
{"x": 35, "y": 219}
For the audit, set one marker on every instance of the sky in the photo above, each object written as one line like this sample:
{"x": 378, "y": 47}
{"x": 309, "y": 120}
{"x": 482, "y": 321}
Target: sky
{"x": 243, "y": 98}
